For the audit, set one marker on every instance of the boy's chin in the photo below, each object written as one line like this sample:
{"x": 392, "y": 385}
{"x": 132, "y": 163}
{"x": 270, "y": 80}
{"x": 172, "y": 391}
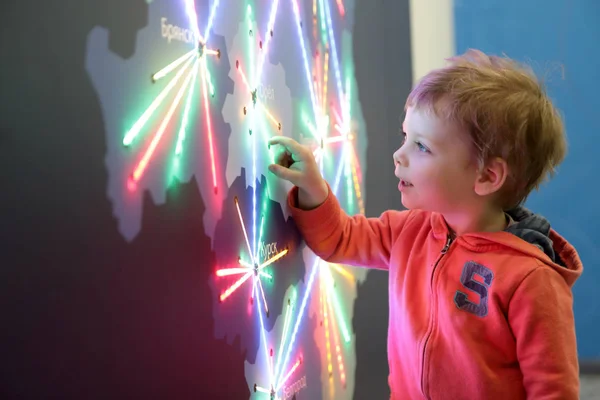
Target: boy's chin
{"x": 406, "y": 203}
{"x": 412, "y": 205}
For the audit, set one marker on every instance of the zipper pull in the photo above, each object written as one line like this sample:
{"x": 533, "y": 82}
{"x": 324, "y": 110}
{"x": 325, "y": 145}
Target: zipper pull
{"x": 448, "y": 243}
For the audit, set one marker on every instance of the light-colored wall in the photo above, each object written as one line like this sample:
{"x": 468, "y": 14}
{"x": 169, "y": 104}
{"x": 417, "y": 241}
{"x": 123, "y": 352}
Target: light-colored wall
{"x": 432, "y": 34}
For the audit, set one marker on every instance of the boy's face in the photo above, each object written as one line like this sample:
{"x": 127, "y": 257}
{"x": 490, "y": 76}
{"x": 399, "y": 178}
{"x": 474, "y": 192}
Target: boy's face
{"x": 435, "y": 165}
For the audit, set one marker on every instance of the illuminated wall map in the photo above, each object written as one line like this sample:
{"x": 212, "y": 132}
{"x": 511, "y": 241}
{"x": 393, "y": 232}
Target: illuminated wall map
{"x": 208, "y": 84}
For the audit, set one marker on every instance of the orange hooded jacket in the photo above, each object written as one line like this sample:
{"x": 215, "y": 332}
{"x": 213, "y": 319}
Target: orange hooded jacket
{"x": 482, "y": 316}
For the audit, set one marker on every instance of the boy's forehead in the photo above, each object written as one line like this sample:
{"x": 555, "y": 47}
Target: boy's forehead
{"x": 425, "y": 123}
{"x": 420, "y": 121}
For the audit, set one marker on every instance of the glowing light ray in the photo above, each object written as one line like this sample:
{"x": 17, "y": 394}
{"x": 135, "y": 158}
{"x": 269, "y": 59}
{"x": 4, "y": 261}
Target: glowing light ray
{"x": 304, "y": 57}
{"x": 182, "y": 130}
{"x": 348, "y": 174}
{"x": 252, "y": 128}
{"x": 172, "y": 66}
{"x": 336, "y": 63}
{"x": 262, "y": 224}
{"x": 343, "y": 272}
{"x": 260, "y": 234}
{"x": 322, "y": 21}
{"x": 326, "y": 324}
{"x": 245, "y": 264}
{"x": 286, "y": 325}
{"x": 292, "y": 370}
{"x": 337, "y": 116}
{"x": 258, "y": 102}
{"x": 269, "y": 115}
{"x": 261, "y": 389}
{"x": 338, "y": 175}
{"x": 190, "y": 9}
{"x": 264, "y": 132}
{"x": 254, "y": 184}
{"x": 357, "y": 190}
{"x": 312, "y": 129}
{"x": 338, "y": 351}
{"x": 325, "y": 78}
{"x": 243, "y": 75}
{"x": 340, "y": 4}
{"x": 357, "y": 165}
{"x": 273, "y": 259}
{"x": 253, "y": 288}
{"x": 348, "y": 104}
{"x": 232, "y": 271}
{"x": 335, "y": 139}
{"x": 211, "y": 19}
{"x": 266, "y": 275}
{"x": 237, "y": 205}
{"x": 309, "y": 284}
{"x": 143, "y": 164}
{"x": 208, "y": 124}
{"x": 317, "y": 78}
{"x": 264, "y": 337}
{"x": 234, "y": 287}
{"x": 332, "y": 297}
{"x": 262, "y": 292}
{"x": 139, "y": 124}
{"x": 270, "y": 26}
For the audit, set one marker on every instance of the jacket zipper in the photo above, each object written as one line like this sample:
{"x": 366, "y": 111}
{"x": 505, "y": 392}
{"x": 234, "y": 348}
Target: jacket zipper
{"x": 430, "y": 330}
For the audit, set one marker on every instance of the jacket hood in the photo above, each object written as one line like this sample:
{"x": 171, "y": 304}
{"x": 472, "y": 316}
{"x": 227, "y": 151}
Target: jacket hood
{"x": 528, "y": 233}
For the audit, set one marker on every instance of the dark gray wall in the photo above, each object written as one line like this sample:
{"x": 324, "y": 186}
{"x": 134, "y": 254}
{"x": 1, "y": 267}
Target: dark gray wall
{"x": 383, "y": 72}
{"x": 78, "y": 303}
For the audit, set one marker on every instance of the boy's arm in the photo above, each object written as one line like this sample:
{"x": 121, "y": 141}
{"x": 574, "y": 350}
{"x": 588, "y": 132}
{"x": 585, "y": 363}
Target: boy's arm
{"x": 336, "y": 237}
{"x": 541, "y": 317}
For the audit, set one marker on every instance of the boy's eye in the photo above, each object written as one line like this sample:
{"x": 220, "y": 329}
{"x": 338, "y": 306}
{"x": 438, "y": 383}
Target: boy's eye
{"x": 422, "y": 148}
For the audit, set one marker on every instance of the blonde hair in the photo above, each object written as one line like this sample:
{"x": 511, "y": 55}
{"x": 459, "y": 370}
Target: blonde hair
{"x": 506, "y": 112}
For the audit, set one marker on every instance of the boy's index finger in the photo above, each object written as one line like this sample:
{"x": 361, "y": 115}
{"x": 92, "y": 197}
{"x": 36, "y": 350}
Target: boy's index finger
{"x": 295, "y": 148}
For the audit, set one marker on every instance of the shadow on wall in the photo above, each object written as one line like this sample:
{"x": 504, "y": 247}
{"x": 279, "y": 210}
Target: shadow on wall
{"x": 86, "y": 315}
{"x": 382, "y": 57}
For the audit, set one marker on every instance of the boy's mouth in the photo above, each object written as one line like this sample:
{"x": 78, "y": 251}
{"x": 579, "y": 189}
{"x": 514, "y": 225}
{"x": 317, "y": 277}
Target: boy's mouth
{"x": 404, "y": 183}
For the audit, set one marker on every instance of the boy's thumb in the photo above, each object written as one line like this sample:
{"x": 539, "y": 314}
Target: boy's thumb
{"x": 284, "y": 173}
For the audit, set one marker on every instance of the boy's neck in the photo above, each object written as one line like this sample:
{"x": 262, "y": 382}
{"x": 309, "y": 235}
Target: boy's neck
{"x": 485, "y": 221}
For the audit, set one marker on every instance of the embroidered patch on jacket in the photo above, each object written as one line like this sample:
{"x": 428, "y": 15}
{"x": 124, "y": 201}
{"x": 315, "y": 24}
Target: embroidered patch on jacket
{"x": 477, "y": 287}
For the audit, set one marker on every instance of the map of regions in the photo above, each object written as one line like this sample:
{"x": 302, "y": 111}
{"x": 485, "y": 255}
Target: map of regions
{"x": 288, "y": 362}
{"x": 162, "y": 110}
{"x": 260, "y": 107}
{"x": 209, "y": 82}
{"x": 258, "y": 256}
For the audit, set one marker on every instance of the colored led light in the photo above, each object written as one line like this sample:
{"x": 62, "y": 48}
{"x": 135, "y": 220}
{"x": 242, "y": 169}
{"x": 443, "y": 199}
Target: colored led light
{"x": 172, "y": 66}
{"x": 139, "y": 124}
{"x": 143, "y": 164}
{"x": 182, "y": 131}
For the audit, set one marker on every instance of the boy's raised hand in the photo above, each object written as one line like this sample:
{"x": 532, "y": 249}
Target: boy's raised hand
{"x": 296, "y": 163}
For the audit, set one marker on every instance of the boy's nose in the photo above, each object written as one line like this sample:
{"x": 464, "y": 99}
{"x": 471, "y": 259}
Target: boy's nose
{"x": 398, "y": 158}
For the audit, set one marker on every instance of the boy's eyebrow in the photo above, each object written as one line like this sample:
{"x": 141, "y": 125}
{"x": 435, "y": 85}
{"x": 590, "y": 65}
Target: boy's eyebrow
{"x": 433, "y": 141}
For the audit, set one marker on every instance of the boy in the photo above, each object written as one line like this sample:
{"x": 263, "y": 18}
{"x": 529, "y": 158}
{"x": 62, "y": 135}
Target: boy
{"x": 479, "y": 287}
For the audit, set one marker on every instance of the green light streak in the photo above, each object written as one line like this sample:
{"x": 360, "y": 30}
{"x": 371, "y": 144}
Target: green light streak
{"x": 184, "y": 123}
{"x": 323, "y": 22}
{"x": 284, "y": 334}
{"x": 332, "y": 295}
{"x": 166, "y": 70}
{"x": 139, "y": 124}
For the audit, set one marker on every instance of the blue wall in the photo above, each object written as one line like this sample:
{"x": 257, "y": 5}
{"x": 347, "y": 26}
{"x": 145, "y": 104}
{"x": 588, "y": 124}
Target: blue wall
{"x": 559, "y": 39}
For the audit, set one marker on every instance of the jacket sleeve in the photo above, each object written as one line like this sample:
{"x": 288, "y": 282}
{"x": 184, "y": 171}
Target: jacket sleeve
{"x": 336, "y": 237}
{"x": 541, "y": 317}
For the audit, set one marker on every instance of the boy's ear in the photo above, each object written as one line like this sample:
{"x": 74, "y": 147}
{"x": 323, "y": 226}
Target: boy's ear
{"x": 491, "y": 177}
